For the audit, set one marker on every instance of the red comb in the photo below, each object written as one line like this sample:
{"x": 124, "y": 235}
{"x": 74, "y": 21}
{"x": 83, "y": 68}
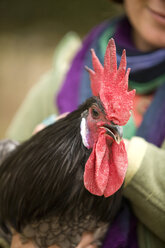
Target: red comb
{"x": 111, "y": 85}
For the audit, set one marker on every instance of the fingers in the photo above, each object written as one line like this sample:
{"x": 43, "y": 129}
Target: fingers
{"x": 16, "y": 242}
{"x": 50, "y": 120}
{"x": 86, "y": 241}
{"x": 62, "y": 116}
{"x": 38, "y": 128}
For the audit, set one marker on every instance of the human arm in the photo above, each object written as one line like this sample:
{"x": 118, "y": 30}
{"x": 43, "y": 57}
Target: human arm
{"x": 145, "y": 184}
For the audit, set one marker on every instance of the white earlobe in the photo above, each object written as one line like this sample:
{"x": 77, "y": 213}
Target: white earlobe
{"x": 84, "y": 132}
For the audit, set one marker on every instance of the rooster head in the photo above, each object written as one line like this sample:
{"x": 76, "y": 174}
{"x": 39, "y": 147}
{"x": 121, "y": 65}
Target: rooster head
{"x": 101, "y": 125}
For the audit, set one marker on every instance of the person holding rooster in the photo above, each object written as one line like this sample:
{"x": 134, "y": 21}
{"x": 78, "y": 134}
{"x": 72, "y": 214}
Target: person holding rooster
{"x": 142, "y": 33}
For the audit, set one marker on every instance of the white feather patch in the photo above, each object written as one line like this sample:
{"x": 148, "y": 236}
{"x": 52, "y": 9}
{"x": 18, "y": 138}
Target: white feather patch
{"x": 84, "y": 132}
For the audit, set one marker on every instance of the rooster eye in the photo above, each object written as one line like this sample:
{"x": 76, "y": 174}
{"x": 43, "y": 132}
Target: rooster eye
{"x": 95, "y": 113}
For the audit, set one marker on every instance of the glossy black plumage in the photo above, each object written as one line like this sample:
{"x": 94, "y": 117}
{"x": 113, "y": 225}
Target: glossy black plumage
{"x": 43, "y": 178}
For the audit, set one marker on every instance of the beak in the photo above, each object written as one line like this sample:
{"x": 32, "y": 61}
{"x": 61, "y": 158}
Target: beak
{"x": 115, "y": 131}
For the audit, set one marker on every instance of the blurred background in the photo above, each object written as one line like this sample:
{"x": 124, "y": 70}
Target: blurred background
{"x": 29, "y": 32}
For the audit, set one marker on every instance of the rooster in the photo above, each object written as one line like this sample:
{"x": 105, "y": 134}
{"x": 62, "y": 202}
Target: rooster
{"x": 67, "y": 179}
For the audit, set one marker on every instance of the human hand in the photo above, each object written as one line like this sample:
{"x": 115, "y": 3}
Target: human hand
{"x": 16, "y": 242}
{"x": 85, "y": 242}
{"x": 48, "y": 121}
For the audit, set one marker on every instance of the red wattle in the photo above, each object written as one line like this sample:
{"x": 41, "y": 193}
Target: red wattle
{"x": 106, "y": 167}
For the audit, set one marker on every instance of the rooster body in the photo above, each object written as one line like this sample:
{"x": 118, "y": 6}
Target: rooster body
{"x": 55, "y": 190}
{"x": 42, "y": 191}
